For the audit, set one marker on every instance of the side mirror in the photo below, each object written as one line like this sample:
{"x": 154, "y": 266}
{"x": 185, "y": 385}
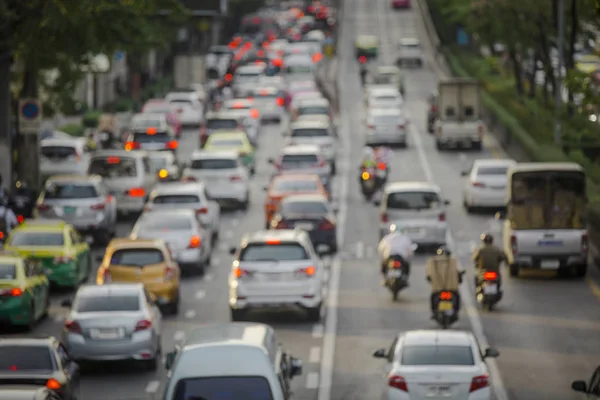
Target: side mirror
{"x": 464, "y": 173}
{"x": 296, "y": 367}
{"x": 490, "y": 352}
{"x": 67, "y": 303}
{"x": 447, "y": 202}
{"x": 232, "y": 250}
{"x": 271, "y": 161}
{"x": 381, "y": 353}
{"x": 170, "y": 358}
{"x": 500, "y": 215}
{"x": 579, "y": 386}
{"x": 99, "y": 258}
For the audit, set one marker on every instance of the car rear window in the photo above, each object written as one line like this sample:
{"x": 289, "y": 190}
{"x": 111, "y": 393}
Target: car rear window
{"x": 136, "y": 257}
{"x": 214, "y": 163}
{"x": 225, "y": 143}
{"x": 107, "y": 303}
{"x": 386, "y": 98}
{"x": 58, "y": 151}
{"x": 181, "y": 102}
{"x": 144, "y": 123}
{"x": 158, "y": 221}
{"x": 221, "y": 388}
{"x": 304, "y": 207}
{"x": 176, "y": 199}
{"x": 313, "y": 110}
{"x": 309, "y": 132}
{"x": 158, "y": 137}
{"x": 492, "y": 170}
{"x": 289, "y": 251}
{"x": 221, "y": 124}
{"x": 437, "y": 355}
{"x": 296, "y": 186}
{"x": 8, "y": 272}
{"x": 31, "y": 238}
{"x": 293, "y": 160}
{"x": 62, "y": 191}
{"x": 113, "y": 167}
{"x": 25, "y": 358}
{"x": 298, "y": 69}
{"x": 412, "y": 200}
{"x": 412, "y": 46}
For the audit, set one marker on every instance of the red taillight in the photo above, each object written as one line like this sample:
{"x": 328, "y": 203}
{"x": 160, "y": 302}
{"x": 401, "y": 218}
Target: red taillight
{"x": 235, "y": 178}
{"x": 72, "y": 327}
{"x": 479, "y": 382}
{"x": 397, "y": 382}
{"x": 1, "y": 235}
{"x": 240, "y": 273}
{"x": 384, "y": 218}
{"x": 433, "y": 108}
{"x": 43, "y": 207}
{"x": 490, "y": 276}
{"x": 371, "y": 126}
{"x": 478, "y": 184}
{"x": 326, "y": 225}
{"x": 136, "y": 192}
{"x": 106, "y": 276}
{"x": 131, "y": 146}
{"x": 53, "y": 384}
{"x": 381, "y": 166}
{"x": 202, "y": 210}
{"x": 143, "y": 325}
{"x": 169, "y": 273}
{"x": 63, "y": 260}
{"x": 20, "y": 219}
{"x": 396, "y": 264}
{"x": 513, "y": 244}
{"x": 172, "y": 145}
{"x": 446, "y": 295}
{"x": 585, "y": 246}
{"x": 280, "y": 101}
{"x": 308, "y": 271}
{"x": 14, "y": 292}
{"x": 442, "y": 217}
{"x": 100, "y": 206}
{"x": 195, "y": 242}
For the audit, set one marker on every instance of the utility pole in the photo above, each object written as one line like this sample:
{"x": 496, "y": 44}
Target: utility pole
{"x": 6, "y": 128}
{"x": 561, "y": 63}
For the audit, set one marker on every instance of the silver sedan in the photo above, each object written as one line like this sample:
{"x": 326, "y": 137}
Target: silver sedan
{"x": 113, "y": 322}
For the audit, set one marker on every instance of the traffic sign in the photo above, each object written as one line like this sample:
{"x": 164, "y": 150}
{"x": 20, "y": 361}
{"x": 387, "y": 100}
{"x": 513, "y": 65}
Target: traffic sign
{"x": 30, "y": 116}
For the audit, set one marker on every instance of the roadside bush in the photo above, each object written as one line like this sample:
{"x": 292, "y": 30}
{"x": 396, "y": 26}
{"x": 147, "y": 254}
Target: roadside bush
{"x": 91, "y": 119}
{"x": 76, "y": 130}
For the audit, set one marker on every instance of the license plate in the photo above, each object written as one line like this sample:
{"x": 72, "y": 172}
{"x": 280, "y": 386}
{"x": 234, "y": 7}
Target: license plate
{"x": 70, "y": 210}
{"x": 550, "y": 264}
{"x": 490, "y": 288}
{"x": 394, "y": 273}
{"x": 438, "y": 391}
{"x": 106, "y": 333}
{"x": 414, "y": 231}
{"x": 306, "y": 227}
{"x": 152, "y": 146}
{"x": 445, "y": 306}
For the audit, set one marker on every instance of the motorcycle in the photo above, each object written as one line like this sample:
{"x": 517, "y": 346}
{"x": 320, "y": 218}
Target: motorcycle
{"x": 446, "y": 307}
{"x": 396, "y": 276}
{"x": 368, "y": 180}
{"x": 488, "y": 291}
{"x": 22, "y": 201}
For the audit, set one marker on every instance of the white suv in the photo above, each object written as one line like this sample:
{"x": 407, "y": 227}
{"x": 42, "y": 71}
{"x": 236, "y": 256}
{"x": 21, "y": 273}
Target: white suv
{"x": 276, "y": 269}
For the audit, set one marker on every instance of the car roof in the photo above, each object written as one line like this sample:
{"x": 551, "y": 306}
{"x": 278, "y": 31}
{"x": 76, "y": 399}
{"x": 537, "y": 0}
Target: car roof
{"x": 314, "y": 101}
{"x": 309, "y": 123}
{"x": 285, "y": 235}
{"x": 177, "y": 188}
{"x": 223, "y": 114}
{"x": 211, "y": 155}
{"x": 435, "y": 337}
{"x": 409, "y": 41}
{"x": 251, "y": 334}
{"x": 110, "y": 288}
{"x": 137, "y": 154}
{"x": 74, "y": 178}
{"x": 301, "y": 149}
{"x": 129, "y": 243}
{"x": 177, "y": 211}
{"x": 298, "y": 198}
{"x": 8, "y": 256}
{"x": 227, "y": 135}
{"x": 45, "y": 225}
{"x": 494, "y": 162}
{"x": 149, "y": 116}
{"x": 409, "y": 186}
{"x": 317, "y": 118}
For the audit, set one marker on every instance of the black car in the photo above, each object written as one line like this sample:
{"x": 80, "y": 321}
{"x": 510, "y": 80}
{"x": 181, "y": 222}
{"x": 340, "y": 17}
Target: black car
{"x": 38, "y": 362}
{"x": 27, "y": 392}
{"x": 312, "y": 213}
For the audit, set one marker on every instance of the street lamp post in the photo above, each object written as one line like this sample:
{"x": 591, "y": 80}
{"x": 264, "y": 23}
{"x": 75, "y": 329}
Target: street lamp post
{"x": 561, "y": 62}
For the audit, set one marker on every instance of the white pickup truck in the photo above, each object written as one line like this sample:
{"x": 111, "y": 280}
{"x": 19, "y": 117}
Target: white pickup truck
{"x": 458, "y": 122}
{"x": 544, "y": 226}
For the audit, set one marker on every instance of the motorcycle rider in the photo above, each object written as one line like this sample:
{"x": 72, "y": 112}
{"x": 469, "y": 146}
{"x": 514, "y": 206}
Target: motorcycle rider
{"x": 363, "y": 72}
{"x": 488, "y": 258}
{"x": 8, "y": 219}
{"x": 444, "y": 276}
{"x": 368, "y": 160}
{"x": 395, "y": 244}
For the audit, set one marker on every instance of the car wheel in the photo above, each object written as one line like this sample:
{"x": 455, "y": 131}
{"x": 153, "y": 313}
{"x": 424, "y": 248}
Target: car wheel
{"x": 314, "y": 314}
{"x": 46, "y": 305}
{"x": 237, "y": 315}
{"x": 333, "y": 168}
{"x": 439, "y": 146}
{"x": 333, "y": 248}
{"x": 31, "y": 320}
{"x": 476, "y": 146}
{"x": 173, "y": 308}
{"x": 514, "y": 270}
{"x": 581, "y": 271}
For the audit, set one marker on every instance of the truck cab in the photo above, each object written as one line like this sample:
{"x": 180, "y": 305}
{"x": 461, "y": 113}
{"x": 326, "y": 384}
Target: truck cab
{"x": 544, "y": 226}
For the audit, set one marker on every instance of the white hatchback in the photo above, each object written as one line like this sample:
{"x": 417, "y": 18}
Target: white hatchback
{"x": 63, "y": 156}
{"x": 303, "y": 159}
{"x": 384, "y": 97}
{"x": 436, "y": 364}
{"x": 276, "y": 268}
{"x": 484, "y": 184}
{"x": 188, "y": 107}
{"x": 316, "y": 132}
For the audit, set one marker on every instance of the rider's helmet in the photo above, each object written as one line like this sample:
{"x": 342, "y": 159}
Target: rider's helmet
{"x": 444, "y": 251}
{"x": 487, "y": 238}
{"x": 368, "y": 153}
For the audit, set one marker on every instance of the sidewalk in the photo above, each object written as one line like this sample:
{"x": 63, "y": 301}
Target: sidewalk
{"x": 326, "y": 78}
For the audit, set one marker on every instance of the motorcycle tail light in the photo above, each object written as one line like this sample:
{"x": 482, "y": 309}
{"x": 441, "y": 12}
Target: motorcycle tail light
{"x": 490, "y": 276}
{"x": 446, "y": 295}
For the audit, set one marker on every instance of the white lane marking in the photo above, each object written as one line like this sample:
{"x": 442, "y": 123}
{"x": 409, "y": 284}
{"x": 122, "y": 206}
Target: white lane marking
{"x": 317, "y": 331}
{"x": 312, "y": 380}
{"x": 189, "y": 314}
{"x": 360, "y": 250}
{"x": 228, "y": 235}
{"x": 200, "y": 294}
{"x": 179, "y": 336}
{"x": 465, "y": 290}
{"x": 314, "y": 355}
{"x": 152, "y": 386}
{"x": 209, "y": 277}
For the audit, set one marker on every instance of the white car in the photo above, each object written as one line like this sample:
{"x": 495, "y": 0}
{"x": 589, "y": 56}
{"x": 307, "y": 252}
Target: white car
{"x": 299, "y": 68}
{"x": 418, "y": 208}
{"x": 484, "y": 184}
{"x": 248, "y": 75}
{"x": 314, "y": 106}
{"x": 316, "y": 132}
{"x": 270, "y": 102}
{"x": 304, "y": 159}
{"x": 187, "y": 195}
{"x": 385, "y": 97}
{"x": 436, "y": 364}
{"x": 387, "y": 126}
{"x": 188, "y": 107}
{"x": 228, "y": 180}
{"x": 299, "y": 97}
{"x": 63, "y": 157}
{"x": 410, "y": 52}
{"x": 276, "y": 268}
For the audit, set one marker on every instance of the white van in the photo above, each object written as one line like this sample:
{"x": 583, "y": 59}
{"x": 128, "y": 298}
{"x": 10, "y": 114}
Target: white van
{"x": 244, "y": 360}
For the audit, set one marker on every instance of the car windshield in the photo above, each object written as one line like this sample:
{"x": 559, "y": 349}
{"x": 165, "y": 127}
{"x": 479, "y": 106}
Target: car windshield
{"x": 32, "y": 238}
{"x": 113, "y": 167}
{"x": 309, "y": 132}
{"x": 144, "y": 123}
{"x": 221, "y": 124}
{"x": 158, "y": 137}
{"x": 214, "y": 163}
{"x": 25, "y": 358}
{"x": 290, "y": 186}
{"x": 137, "y": 257}
{"x": 223, "y": 388}
{"x": 163, "y": 222}
{"x": 304, "y": 207}
{"x": 413, "y": 200}
{"x": 437, "y": 355}
{"x": 312, "y": 110}
{"x": 64, "y": 191}
{"x": 225, "y": 143}
{"x": 273, "y": 252}
{"x": 58, "y": 151}
{"x": 107, "y": 303}
{"x": 8, "y": 272}
{"x": 492, "y": 171}
{"x": 295, "y": 160}
{"x": 176, "y": 199}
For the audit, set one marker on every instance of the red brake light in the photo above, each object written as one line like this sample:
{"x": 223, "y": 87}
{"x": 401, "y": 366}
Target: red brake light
{"x": 72, "y": 327}
{"x": 273, "y": 241}
{"x": 16, "y": 292}
{"x": 513, "y": 244}
{"x": 53, "y": 384}
{"x": 384, "y": 218}
{"x": 442, "y": 217}
{"x": 113, "y": 160}
{"x": 362, "y": 59}
{"x": 478, "y": 184}
{"x": 194, "y": 242}
{"x": 280, "y": 101}
{"x": 239, "y": 273}
{"x": 43, "y": 207}
{"x": 99, "y": 206}
{"x": 202, "y": 210}
{"x": 308, "y": 271}
{"x": 136, "y": 192}
{"x": 20, "y": 219}
{"x": 254, "y": 113}
{"x": 143, "y": 325}
{"x": 584, "y": 243}
{"x": 278, "y": 62}
{"x": 326, "y": 225}
{"x": 490, "y": 276}
{"x": 396, "y": 264}
{"x": 446, "y": 295}
{"x": 397, "y": 382}
{"x": 317, "y": 57}
{"x": 235, "y": 178}
{"x": 381, "y": 166}
{"x": 172, "y": 145}
{"x": 479, "y": 382}
{"x": 228, "y": 77}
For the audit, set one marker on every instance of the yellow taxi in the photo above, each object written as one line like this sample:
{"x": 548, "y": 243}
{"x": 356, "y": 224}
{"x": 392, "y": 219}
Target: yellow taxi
{"x": 147, "y": 261}
{"x": 232, "y": 141}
